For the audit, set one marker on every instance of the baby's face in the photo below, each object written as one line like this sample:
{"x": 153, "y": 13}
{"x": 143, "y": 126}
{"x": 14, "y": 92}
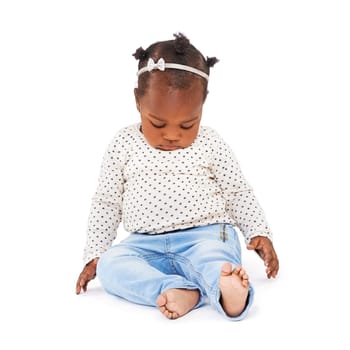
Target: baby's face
{"x": 170, "y": 117}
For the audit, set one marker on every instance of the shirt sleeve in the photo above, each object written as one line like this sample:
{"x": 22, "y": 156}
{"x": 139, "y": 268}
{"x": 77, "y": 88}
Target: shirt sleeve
{"x": 106, "y": 208}
{"x": 241, "y": 203}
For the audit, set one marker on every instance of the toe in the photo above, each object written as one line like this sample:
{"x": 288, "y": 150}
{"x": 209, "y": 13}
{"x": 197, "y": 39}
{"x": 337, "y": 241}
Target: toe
{"x": 237, "y": 270}
{"x": 243, "y": 274}
{"x": 226, "y": 269}
{"x": 245, "y": 283}
{"x": 161, "y": 300}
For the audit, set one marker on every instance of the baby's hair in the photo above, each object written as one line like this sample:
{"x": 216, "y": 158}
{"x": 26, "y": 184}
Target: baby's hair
{"x": 178, "y": 50}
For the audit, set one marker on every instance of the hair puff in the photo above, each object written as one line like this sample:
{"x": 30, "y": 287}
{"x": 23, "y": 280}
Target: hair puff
{"x": 181, "y": 43}
{"x": 140, "y": 54}
{"x": 211, "y": 61}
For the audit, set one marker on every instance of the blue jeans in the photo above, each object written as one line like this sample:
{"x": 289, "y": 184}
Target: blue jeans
{"x": 143, "y": 266}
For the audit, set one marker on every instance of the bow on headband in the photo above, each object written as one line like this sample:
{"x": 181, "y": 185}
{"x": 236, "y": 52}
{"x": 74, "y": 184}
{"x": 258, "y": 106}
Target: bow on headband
{"x": 153, "y": 65}
{"x": 161, "y": 65}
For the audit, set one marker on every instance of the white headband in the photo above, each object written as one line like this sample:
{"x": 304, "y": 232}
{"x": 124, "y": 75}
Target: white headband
{"x": 161, "y": 65}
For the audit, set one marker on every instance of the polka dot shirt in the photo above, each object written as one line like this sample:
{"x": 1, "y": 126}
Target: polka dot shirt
{"x": 153, "y": 191}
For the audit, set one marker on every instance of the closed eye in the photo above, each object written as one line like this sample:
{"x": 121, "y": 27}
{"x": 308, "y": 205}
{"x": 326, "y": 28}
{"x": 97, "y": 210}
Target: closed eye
{"x": 187, "y": 127}
{"x": 157, "y": 126}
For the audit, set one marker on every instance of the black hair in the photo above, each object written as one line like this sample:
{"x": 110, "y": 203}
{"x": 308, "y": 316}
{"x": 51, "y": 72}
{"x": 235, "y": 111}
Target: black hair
{"x": 178, "y": 50}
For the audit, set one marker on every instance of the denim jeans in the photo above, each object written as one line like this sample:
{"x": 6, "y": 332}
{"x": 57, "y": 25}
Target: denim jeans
{"x": 143, "y": 266}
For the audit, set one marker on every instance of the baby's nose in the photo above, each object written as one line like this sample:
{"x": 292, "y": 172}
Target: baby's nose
{"x": 172, "y": 135}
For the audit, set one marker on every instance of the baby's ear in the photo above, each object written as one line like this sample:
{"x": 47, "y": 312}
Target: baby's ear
{"x": 137, "y": 100}
{"x": 205, "y": 95}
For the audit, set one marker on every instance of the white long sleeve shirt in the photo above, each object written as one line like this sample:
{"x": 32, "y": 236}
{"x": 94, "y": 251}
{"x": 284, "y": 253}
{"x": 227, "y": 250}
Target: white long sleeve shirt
{"x": 153, "y": 191}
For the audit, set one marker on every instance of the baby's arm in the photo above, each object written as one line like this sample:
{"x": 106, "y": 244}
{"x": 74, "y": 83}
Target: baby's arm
{"x": 106, "y": 207}
{"x": 242, "y": 205}
{"x": 106, "y": 211}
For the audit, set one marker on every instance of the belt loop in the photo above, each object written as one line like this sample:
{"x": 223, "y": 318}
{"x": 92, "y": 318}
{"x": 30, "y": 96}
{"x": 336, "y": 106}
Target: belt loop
{"x": 223, "y": 233}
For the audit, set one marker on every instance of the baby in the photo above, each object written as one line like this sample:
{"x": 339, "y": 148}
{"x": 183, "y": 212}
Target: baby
{"x": 179, "y": 191}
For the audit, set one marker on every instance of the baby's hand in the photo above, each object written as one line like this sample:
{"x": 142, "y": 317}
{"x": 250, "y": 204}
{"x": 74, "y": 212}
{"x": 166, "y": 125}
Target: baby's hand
{"x": 263, "y": 246}
{"x": 88, "y": 274}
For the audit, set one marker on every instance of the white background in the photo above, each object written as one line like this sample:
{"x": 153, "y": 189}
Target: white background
{"x": 279, "y": 96}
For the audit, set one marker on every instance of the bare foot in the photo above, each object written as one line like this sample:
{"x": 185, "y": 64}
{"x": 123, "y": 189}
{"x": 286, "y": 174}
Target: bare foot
{"x": 174, "y": 303}
{"x": 234, "y": 286}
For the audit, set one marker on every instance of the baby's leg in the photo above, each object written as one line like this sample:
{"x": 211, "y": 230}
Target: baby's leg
{"x": 124, "y": 272}
{"x": 234, "y": 287}
{"x": 214, "y": 264}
